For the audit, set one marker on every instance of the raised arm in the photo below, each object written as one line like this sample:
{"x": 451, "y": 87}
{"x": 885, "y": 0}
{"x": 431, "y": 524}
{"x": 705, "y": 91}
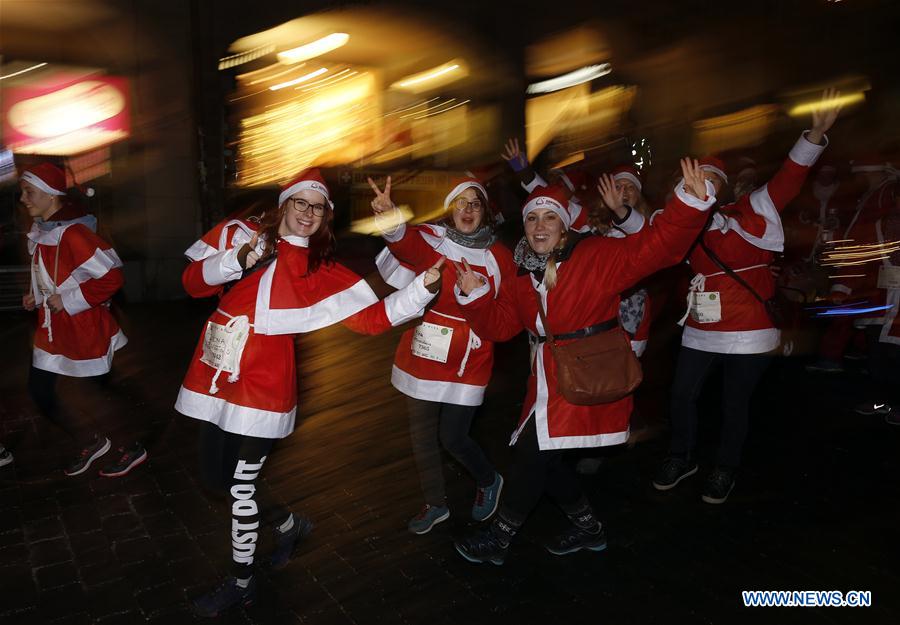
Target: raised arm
{"x": 624, "y": 262}
{"x": 405, "y": 243}
{"x": 220, "y": 257}
{"x": 757, "y": 216}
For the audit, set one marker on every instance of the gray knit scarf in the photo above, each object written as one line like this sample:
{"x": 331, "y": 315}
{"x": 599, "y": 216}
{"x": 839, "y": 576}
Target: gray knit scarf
{"x": 481, "y": 239}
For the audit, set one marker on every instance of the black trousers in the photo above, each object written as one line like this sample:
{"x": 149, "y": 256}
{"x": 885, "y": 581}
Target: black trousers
{"x": 121, "y": 427}
{"x": 430, "y": 422}
{"x": 535, "y": 472}
{"x": 231, "y": 464}
{"x": 741, "y": 372}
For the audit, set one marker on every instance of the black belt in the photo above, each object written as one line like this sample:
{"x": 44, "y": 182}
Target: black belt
{"x": 604, "y": 326}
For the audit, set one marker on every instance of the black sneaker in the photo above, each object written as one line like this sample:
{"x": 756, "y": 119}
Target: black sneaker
{"x": 286, "y": 542}
{"x": 718, "y": 485}
{"x": 673, "y": 470}
{"x": 869, "y": 408}
{"x": 128, "y": 459}
{"x": 90, "y": 453}
{"x": 482, "y": 546}
{"x": 5, "y": 457}
{"x": 226, "y": 595}
{"x": 575, "y": 539}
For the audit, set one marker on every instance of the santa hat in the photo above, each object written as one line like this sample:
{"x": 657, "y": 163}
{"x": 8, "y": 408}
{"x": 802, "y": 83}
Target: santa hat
{"x": 460, "y": 185}
{"x": 869, "y": 164}
{"x": 577, "y": 180}
{"x": 554, "y": 198}
{"x": 47, "y": 177}
{"x": 715, "y": 165}
{"x": 307, "y": 179}
{"x": 629, "y": 173}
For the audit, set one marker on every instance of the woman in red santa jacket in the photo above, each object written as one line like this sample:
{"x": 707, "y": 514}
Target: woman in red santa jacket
{"x": 578, "y": 280}
{"x": 727, "y": 325}
{"x": 74, "y": 273}
{"x": 276, "y": 278}
{"x": 442, "y": 365}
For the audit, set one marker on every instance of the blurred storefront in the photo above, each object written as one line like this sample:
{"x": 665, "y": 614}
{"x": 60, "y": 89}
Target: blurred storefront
{"x": 104, "y": 90}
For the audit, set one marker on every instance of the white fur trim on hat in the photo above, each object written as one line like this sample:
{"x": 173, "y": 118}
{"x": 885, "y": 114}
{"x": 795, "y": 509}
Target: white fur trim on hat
{"x": 462, "y": 186}
{"x": 313, "y": 185}
{"x": 630, "y": 177}
{"x": 716, "y": 171}
{"x": 37, "y": 181}
{"x": 543, "y": 201}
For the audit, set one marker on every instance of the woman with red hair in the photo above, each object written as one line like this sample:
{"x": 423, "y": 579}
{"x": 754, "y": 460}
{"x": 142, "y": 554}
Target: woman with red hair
{"x": 276, "y": 277}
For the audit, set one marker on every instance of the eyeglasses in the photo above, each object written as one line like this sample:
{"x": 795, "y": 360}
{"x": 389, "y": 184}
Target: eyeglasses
{"x": 302, "y": 206}
{"x": 462, "y": 204}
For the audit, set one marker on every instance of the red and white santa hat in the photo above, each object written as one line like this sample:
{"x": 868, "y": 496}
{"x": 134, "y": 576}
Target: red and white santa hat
{"x": 629, "y": 173}
{"x": 554, "y": 198}
{"x": 715, "y": 165}
{"x": 307, "y": 179}
{"x": 460, "y": 185}
{"x": 47, "y": 177}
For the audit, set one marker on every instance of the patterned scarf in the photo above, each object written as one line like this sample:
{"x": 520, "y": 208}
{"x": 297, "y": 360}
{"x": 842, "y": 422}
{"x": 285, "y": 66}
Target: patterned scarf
{"x": 481, "y": 239}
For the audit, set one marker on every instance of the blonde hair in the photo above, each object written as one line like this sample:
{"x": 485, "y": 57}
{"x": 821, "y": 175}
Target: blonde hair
{"x": 550, "y": 272}
{"x": 550, "y": 276}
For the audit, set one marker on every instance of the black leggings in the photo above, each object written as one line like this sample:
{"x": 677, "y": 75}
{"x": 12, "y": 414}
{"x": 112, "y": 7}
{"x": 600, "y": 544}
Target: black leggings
{"x": 535, "y": 472}
{"x": 742, "y": 373}
{"x": 231, "y": 463}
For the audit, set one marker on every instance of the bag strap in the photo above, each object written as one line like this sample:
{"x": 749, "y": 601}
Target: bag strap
{"x": 547, "y": 332}
{"x": 731, "y": 273}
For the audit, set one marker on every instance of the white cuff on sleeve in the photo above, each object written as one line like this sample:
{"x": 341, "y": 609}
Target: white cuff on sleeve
{"x": 633, "y": 223}
{"x": 481, "y": 291}
{"x": 805, "y": 152}
{"x": 409, "y": 302}
{"x": 534, "y": 184}
{"x": 73, "y": 300}
{"x": 692, "y": 201}
{"x": 392, "y": 228}
{"x": 222, "y": 267}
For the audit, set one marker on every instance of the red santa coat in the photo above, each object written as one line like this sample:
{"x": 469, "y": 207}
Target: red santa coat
{"x": 587, "y": 293}
{"x": 277, "y": 302}
{"x": 73, "y": 261}
{"x": 865, "y": 228}
{"x": 745, "y": 235}
{"x": 461, "y": 375}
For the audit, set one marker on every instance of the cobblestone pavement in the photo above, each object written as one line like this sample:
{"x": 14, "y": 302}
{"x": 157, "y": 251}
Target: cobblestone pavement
{"x": 816, "y": 507}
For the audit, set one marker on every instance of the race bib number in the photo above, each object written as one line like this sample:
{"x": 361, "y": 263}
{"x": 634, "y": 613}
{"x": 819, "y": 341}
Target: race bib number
{"x": 888, "y": 277}
{"x": 432, "y": 342}
{"x": 707, "y": 307}
{"x": 221, "y": 346}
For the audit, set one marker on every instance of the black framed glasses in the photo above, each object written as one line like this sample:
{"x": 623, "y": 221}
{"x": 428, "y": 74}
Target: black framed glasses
{"x": 462, "y": 204}
{"x": 302, "y": 206}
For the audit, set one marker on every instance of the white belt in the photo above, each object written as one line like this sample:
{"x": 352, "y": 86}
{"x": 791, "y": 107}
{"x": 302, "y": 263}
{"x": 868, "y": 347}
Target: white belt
{"x": 698, "y": 285}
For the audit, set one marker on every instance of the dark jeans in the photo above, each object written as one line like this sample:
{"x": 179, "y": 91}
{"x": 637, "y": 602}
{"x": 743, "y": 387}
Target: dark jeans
{"x": 535, "y": 472}
{"x": 741, "y": 372}
{"x": 231, "y": 463}
{"x": 430, "y": 422}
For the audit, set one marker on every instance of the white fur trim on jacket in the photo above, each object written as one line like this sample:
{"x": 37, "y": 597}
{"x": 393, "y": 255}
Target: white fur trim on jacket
{"x": 437, "y": 390}
{"x": 234, "y": 418}
{"x": 57, "y": 363}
